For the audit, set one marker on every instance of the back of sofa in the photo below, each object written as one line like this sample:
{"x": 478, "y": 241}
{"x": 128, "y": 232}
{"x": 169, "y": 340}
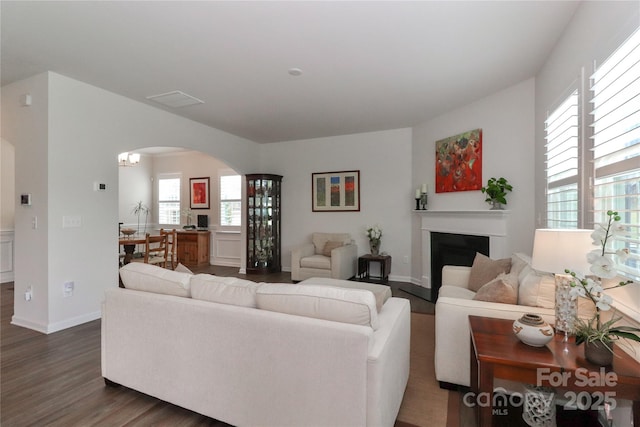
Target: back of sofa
{"x": 240, "y": 365}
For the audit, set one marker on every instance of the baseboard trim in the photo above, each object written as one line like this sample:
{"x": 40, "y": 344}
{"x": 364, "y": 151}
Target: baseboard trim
{"x": 58, "y": 326}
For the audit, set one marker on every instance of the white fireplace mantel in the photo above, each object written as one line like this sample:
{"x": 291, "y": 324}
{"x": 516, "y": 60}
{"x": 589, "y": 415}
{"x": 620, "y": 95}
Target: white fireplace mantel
{"x": 491, "y": 223}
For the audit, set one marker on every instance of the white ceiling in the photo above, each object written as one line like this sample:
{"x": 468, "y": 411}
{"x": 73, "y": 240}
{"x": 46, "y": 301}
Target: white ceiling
{"x": 366, "y": 66}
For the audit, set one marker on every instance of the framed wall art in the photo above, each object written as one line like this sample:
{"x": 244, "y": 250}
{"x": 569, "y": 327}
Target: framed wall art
{"x": 335, "y": 191}
{"x": 459, "y": 162}
{"x": 199, "y": 193}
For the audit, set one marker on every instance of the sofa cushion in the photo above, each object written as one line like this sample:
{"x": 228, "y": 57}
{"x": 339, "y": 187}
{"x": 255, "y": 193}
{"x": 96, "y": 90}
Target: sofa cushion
{"x": 485, "y": 269}
{"x": 224, "y": 290}
{"x": 357, "y": 306}
{"x": 536, "y": 289}
{"x": 151, "y": 278}
{"x": 316, "y": 261}
{"x": 498, "y": 290}
{"x": 381, "y": 292}
{"x": 329, "y": 246}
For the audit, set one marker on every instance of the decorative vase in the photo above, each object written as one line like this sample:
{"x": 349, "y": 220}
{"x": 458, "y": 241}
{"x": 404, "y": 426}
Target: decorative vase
{"x": 532, "y": 330}
{"x": 374, "y": 246}
{"x": 597, "y": 353}
{"x": 566, "y": 307}
{"x": 496, "y": 206}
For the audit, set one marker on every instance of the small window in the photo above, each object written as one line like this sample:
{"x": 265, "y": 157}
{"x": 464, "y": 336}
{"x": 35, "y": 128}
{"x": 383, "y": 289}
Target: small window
{"x": 230, "y": 200}
{"x": 169, "y": 200}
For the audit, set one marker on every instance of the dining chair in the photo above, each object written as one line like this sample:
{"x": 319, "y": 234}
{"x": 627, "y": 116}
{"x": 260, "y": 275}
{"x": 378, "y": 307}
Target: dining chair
{"x": 155, "y": 250}
{"x": 172, "y": 247}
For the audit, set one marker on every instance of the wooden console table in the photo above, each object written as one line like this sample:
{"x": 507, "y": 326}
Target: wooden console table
{"x": 193, "y": 247}
{"x": 497, "y": 353}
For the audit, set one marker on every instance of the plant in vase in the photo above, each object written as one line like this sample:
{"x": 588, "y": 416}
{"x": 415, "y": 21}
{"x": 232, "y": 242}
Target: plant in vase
{"x": 374, "y": 233}
{"x": 188, "y": 213}
{"x": 496, "y": 191}
{"x": 139, "y": 209}
{"x": 599, "y": 336}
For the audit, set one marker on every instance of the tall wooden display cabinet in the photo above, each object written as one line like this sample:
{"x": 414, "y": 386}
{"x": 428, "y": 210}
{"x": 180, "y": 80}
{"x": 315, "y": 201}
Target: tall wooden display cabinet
{"x": 263, "y": 223}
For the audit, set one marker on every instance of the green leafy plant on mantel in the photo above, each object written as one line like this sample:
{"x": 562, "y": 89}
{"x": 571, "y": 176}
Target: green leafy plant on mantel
{"x": 496, "y": 191}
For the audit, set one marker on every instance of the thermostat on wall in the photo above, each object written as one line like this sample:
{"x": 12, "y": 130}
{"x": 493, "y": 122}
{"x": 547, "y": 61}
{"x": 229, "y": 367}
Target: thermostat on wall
{"x": 98, "y": 186}
{"x": 25, "y": 199}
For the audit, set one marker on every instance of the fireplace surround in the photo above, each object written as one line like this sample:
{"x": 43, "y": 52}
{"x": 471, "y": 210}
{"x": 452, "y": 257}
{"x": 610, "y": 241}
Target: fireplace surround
{"x": 467, "y": 230}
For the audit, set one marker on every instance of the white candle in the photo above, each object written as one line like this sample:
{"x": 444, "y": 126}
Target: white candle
{"x": 417, "y": 193}
{"x": 424, "y": 188}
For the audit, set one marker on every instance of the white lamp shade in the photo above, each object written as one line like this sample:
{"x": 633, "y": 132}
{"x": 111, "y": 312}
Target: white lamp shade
{"x": 555, "y": 250}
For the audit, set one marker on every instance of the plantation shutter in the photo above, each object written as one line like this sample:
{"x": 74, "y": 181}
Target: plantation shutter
{"x": 562, "y": 135}
{"x": 615, "y": 101}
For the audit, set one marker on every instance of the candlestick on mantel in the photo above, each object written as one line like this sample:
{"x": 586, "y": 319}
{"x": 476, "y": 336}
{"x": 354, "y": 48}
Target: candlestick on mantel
{"x": 417, "y": 193}
{"x": 424, "y": 188}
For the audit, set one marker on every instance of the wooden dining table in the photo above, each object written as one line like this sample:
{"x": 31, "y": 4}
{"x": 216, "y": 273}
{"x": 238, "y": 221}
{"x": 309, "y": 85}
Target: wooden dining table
{"x": 129, "y": 244}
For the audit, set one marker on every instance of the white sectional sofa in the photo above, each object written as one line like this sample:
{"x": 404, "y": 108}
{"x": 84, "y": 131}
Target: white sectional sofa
{"x": 232, "y": 349}
{"x": 535, "y": 294}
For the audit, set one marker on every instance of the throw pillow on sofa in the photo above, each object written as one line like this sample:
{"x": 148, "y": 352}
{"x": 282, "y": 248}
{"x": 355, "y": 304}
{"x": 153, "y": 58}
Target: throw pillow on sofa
{"x": 485, "y": 269}
{"x": 499, "y": 290}
{"x": 357, "y": 306}
{"x": 536, "y": 289}
{"x": 329, "y": 246}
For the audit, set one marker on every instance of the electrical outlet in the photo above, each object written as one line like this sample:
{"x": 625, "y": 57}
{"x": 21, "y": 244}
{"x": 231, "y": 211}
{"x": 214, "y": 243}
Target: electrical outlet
{"x": 27, "y": 294}
{"x": 68, "y": 289}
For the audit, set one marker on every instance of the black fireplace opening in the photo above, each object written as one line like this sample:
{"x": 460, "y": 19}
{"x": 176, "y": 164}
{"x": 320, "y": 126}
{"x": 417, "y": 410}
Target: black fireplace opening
{"x": 453, "y": 249}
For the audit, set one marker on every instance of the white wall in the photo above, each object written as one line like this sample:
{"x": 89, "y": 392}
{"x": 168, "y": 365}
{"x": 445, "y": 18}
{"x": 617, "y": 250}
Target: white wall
{"x": 506, "y": 120}
{"x": 26, "y": 128}
{"x": 386, "y": 194}
{"x": 67, "y": 140}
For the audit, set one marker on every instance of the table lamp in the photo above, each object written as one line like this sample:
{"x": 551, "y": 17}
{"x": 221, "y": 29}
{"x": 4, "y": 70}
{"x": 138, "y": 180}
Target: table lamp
{"x": 555, "y": 250}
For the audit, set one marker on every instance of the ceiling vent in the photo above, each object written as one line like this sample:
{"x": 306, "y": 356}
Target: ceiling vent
{"x": 175, "y": 99}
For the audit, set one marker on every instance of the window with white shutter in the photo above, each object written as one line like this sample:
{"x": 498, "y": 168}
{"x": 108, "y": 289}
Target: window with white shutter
{"x": 615, "y": 88}
{"x": 562, "y": 172}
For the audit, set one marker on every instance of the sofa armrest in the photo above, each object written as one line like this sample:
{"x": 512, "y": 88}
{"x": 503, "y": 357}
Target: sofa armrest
{"x": 343, "y": 261}
{"x": 453, "y": 336}
{"x": 454, "y": 275}
{"x": 297, "y": 254}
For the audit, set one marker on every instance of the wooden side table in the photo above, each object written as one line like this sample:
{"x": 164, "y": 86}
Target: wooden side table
{"x": 364, "y": 263}
{"x": 497, "y": 353}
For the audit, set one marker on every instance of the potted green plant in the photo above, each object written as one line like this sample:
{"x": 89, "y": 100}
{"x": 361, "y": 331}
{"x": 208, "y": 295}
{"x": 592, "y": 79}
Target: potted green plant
{"x": 599, "y": 336}
{"x": 496, "y": 191}
{"x": 139, "y": 209}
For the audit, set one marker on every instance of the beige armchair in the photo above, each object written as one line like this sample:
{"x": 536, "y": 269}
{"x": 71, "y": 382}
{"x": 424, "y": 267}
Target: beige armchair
{"x": 333, "y": 255}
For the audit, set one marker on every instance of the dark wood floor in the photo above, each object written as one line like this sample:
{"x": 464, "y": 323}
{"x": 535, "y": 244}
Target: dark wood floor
{"x": 55, "y": 379}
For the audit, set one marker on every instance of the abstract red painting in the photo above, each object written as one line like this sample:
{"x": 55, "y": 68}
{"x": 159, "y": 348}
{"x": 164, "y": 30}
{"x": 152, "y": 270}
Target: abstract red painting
{"x": 459, "y": 162}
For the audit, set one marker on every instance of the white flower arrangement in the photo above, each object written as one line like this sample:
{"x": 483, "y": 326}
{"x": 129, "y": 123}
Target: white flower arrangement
{"x": 603, "y": 266}
{"x": 374, "y": 233}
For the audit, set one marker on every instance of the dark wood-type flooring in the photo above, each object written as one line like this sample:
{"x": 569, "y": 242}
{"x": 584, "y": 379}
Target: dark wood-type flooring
{"x": 55, "y": 379}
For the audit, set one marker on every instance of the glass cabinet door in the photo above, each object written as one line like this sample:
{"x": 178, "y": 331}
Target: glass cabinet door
{"x": 263, "y": 223}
